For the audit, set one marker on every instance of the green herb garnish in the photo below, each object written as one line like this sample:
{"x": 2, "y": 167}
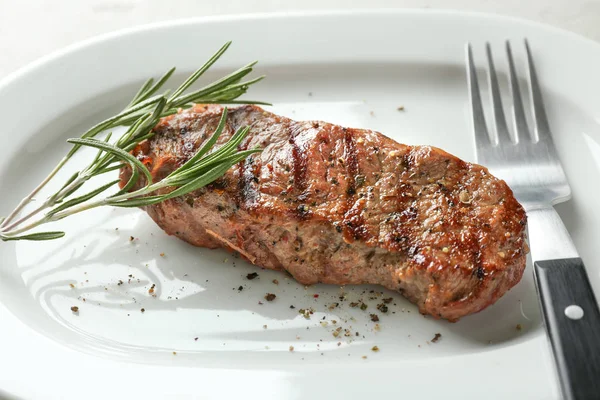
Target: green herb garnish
{"x": 140, "y": 116}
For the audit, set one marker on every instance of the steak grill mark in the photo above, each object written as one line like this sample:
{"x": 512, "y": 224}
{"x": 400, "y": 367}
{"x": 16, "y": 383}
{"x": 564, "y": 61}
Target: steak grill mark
{"x": 397, "y": 221}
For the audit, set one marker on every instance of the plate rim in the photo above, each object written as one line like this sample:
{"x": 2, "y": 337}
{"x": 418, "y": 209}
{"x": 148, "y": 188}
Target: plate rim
{"x": 142, "y": 28}
{"x": 67, "y": 51}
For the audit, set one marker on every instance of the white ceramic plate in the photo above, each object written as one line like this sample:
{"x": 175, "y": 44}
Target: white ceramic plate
{"x": 354, "y": 69}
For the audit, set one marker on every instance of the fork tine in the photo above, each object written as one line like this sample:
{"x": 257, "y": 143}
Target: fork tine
{"x": 482, "y": 137}
{"x": 518, "y": 111}
{"x": 499, "y": 119}
{"x": 541, "y": 128}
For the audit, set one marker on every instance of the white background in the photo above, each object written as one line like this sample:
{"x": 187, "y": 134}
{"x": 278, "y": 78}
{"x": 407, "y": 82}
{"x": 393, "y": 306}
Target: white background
{"x": 32, "y": 28}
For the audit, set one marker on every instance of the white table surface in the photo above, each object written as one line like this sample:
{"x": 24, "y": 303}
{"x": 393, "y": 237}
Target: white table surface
{"x": 30, "y": 29}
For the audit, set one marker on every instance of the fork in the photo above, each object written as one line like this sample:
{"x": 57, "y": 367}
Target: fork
{"x": 527, "y": 160}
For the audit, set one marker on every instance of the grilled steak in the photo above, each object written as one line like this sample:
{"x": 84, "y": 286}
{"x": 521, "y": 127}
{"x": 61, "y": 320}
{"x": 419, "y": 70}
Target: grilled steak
{"x": 346, "y": 206}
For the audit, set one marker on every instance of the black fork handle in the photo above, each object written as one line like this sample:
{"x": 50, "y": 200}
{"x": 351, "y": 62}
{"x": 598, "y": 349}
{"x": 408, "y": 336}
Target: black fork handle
{"x": 572, "y": 320}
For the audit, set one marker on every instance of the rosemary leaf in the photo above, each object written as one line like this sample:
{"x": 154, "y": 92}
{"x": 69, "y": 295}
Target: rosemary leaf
{"x": 139, "y": 202}
{"x": 206, "y": 146}
{"x": 99, "y": 154}
{"x": 36, "y": 236}
{"x": 139, "y": 95}
{"x": 81, "y": 199}
{"x": 125, "y": 156}
{"x": 200, "y": 181}
{"x": 240, "y": 88}
{"x": 71, "y": 190}
{"x": 142, "y": 125}
{"x": 160, "y": 83}
{"x": 233, "y": 158}
{"x": 263, "y": 103}
{"x": 138, "y": 140}
{"x": 109, "y": 169}
{"x": 114, "y": 121}
{"x": 195, "y": 97}
{"x": 130, "y": 183}
{"x": 228, "y": 147}
{"x": 194, "y": 77}
{"x": 54, "y": 197}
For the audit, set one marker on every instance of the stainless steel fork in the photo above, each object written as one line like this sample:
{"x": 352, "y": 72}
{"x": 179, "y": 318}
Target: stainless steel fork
{"x": 528, "y": 162}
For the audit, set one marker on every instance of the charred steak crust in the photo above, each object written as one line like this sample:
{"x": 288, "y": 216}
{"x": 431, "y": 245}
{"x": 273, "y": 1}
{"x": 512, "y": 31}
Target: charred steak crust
{"x": 346, "y": 206}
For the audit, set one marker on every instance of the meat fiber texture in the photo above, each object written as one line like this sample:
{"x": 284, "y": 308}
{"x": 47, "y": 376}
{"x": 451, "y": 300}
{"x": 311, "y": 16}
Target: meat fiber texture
{"x": 346, "y": 206}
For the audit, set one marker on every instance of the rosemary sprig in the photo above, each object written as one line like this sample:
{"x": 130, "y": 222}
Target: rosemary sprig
{"x": 140, "y": 116}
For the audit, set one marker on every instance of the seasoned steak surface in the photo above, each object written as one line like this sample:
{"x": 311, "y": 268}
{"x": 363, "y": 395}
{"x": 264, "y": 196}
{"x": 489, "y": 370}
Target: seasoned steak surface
{"x": 347, "y": 206}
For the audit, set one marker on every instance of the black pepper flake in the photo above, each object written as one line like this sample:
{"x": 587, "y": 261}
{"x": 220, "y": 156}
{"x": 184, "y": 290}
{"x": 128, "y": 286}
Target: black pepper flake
{"x": 436, "y": 338}
{"x": 388, "y": 300}
{"x": 374, "y": 317}
{"x": 363, "y": 306}
{"x": 252, "y": 276}
{"x": 480, "y": 273}
{"x": 292, "y": 307}
{"x": 270, "y": 297}
{"x": 240, "y": 288}
{"x": 75, "y": 309}
{"x": 302, "y": 210}
{"x": 382, "y": 307}
{"x": 143, "y": 310}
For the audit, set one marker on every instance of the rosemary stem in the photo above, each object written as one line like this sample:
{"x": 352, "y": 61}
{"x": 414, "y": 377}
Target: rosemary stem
{"x": 46, "y": 204}
{"x": 107, "y": 201}
{"x": 30, "y": 196}
{"x": 28, "y": 227}
{"x": 56, "y": 217}
{"x": 141, "y": 115}
{"x": 78, "y": 209}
